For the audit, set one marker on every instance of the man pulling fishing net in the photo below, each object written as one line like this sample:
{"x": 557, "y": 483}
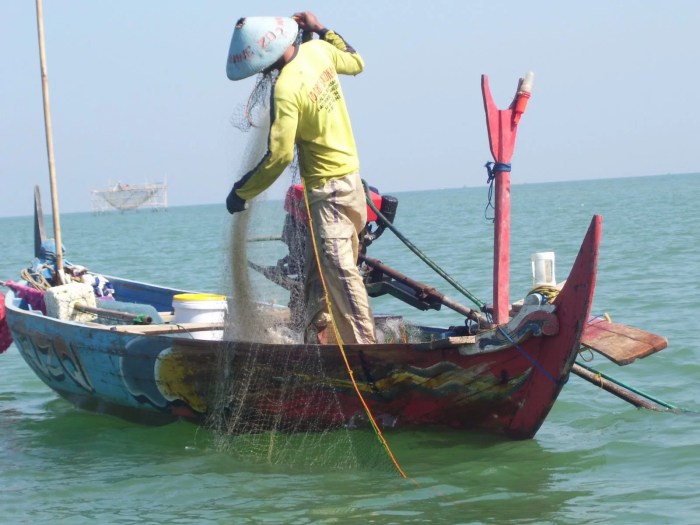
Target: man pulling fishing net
{"x": 308, "y": 112}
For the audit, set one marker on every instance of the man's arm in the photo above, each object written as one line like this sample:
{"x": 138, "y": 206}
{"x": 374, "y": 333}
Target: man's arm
{"x": 348, "y": 62}
{"x": 279, "y": 154}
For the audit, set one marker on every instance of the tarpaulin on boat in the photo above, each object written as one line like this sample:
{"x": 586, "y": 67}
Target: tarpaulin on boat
{"x": 5, "y": 336}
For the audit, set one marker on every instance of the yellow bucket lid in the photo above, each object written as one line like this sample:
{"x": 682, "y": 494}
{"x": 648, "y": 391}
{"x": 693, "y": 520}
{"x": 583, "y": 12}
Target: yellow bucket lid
{"x": 199, "y": 297}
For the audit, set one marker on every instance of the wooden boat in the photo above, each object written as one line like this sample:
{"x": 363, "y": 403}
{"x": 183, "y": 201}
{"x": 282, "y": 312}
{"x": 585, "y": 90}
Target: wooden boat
{"x": 503, "y": 378}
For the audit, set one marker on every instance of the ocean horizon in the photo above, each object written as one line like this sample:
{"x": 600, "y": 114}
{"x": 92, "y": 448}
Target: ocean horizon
{"x": 596, "y": 459}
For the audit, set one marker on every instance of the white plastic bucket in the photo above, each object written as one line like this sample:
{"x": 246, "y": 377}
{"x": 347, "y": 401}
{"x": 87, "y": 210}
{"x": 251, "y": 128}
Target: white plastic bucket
{"x": 199, "y": 308}
{"x": 543, "y": 269}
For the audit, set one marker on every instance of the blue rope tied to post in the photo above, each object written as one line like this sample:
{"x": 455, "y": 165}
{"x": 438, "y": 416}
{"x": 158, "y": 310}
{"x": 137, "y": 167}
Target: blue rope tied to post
{"x": 491, "y": 169}
{"x": 529, "y": 357}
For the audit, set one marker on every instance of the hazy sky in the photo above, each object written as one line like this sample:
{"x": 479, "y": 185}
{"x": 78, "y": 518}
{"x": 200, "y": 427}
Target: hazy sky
{"x": 139, "y": 92}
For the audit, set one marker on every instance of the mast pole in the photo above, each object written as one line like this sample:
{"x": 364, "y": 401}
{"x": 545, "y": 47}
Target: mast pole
{"x": 60, "y": 276}
{"x": 501, "y": 248}
{"x": 502, "y": 127}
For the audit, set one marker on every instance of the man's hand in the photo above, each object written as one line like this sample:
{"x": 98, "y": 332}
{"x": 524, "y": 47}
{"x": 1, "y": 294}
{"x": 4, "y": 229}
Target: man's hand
{"x": 308, "y": 22}
{"x": 234, "y": 203}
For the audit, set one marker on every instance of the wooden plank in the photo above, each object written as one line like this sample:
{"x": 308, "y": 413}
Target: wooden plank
{"x": 620, "y": 343}
{"x": 158, "y": 329}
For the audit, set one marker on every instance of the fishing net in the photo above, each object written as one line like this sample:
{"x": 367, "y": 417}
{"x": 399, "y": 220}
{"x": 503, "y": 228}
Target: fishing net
{"x": 274, "y": 400}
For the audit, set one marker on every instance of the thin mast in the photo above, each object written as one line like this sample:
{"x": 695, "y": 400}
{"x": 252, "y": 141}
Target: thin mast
{"x": 49, "y": 145}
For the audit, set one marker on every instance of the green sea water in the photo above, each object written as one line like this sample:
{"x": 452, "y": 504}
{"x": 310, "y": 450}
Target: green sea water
{"x": 596, "y": 459}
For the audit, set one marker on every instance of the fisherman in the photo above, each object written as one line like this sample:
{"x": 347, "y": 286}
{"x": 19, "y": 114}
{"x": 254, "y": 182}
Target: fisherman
{"x": 308, "y": 112}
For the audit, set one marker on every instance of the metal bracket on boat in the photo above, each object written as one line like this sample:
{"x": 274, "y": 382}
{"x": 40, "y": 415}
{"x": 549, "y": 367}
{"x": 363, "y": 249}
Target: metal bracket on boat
{"x": 531, "y": 321}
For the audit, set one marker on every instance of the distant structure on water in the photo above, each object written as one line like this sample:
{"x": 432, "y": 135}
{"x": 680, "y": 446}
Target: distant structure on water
{"x": 124, "y": 197}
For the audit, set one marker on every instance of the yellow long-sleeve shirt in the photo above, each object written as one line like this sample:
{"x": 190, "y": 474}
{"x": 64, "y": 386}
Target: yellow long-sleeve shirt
{"x": 308, "y": 109}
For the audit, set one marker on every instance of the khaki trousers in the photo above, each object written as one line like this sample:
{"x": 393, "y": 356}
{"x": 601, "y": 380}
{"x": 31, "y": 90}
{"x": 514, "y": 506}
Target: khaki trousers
{"x": 338, "y": 214}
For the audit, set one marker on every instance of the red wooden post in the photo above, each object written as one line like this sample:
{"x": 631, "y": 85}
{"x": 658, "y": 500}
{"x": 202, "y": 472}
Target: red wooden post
{"x": 502, "y": 125}
{"x": 501, "y": 248}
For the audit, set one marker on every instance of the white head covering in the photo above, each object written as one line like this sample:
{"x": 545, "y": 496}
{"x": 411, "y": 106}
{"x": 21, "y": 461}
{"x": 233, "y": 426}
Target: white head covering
{"x": 257, "y": 43}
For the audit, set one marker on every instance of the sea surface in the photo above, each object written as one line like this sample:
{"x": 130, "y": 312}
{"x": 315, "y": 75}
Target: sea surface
{"x": 596, "y": 459}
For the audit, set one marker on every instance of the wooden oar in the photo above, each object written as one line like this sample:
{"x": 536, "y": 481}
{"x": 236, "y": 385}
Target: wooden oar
{"x": 620, "y": 343}
{"x": 623, "y": 392}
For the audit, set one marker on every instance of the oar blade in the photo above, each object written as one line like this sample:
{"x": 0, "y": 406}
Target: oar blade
{"x": 620, "y": 343}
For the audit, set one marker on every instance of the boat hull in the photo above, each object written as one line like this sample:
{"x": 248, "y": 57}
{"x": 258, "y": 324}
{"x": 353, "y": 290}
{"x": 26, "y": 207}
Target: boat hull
{"x": 505, "y": 383}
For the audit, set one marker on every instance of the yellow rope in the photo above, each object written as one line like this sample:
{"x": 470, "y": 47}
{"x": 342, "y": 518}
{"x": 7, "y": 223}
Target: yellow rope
{"x": 599, "y": 377}
{"x": 351, "y": 374}
{"x": 550, "y": 292}
{"x": 36, "y": 280}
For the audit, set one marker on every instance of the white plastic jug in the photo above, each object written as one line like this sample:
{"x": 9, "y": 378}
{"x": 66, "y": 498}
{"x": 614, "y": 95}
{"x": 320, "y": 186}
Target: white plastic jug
{"x": 543, "y": 269}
